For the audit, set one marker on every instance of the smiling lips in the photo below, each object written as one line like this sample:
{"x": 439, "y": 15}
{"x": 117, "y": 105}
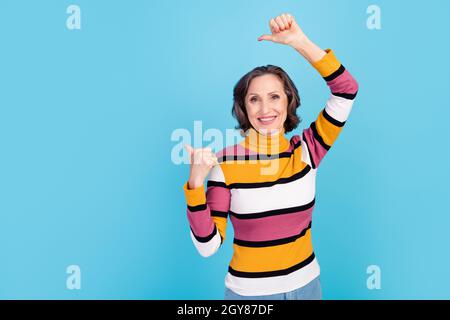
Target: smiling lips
{"x": 267, "y": 120}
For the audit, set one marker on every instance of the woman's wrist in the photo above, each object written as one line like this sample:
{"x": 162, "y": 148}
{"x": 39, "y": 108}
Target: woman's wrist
{"x": 308, "y": 49}
{"x": 300, "y": 43}
{"x": 195, "y": 183}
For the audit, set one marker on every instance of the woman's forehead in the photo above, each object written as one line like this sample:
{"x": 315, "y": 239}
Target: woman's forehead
{"x": 265, "y": 84}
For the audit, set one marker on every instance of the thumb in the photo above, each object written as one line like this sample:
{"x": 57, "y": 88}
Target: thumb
{"x": 266, "y": 37}
{"x": 189, "y": 149}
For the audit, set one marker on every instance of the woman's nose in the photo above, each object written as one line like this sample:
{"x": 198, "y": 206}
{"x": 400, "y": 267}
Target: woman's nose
{"x": 265, "y": 107}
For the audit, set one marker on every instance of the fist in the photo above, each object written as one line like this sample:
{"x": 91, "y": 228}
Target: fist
{"x": 285, "y": 30}
{"x": 202, "y": 161}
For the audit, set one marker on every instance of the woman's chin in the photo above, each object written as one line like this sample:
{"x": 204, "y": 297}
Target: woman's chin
{"x": 268, "y": 129}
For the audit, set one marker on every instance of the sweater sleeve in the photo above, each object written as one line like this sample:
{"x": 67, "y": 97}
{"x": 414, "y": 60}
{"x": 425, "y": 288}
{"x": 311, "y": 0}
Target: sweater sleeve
{"x": 323, "y": 132}
{"x": 207, "y": 213}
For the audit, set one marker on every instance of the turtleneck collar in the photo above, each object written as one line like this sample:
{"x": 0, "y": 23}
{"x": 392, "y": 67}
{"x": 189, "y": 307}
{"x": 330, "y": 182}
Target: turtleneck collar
{"x": 266, "y": 144}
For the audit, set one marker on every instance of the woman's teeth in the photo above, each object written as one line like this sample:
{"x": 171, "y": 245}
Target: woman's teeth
{"x": 267, "y": 119}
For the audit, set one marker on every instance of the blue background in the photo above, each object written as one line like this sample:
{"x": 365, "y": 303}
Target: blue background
{"x": 86, "y": 118}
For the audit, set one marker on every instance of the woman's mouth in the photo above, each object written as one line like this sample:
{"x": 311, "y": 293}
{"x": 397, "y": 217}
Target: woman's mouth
{"x": 267, "y": 120}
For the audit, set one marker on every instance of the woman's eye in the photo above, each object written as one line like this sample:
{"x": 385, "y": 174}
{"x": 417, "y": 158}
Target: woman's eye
{"x": 252, "y": 99}
{"x": 275, "y": 97}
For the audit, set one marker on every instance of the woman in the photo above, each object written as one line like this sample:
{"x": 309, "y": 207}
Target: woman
{"x": 266, "y": 183}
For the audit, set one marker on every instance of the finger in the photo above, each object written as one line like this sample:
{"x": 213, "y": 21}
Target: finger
{"x": 293, "y": 22}
{"x": 214, "y": 161}
{"x": 271, "y": 26}
{"x": 285, "y": 21}
{"x": 280, "y": 23}
{"x": 199, "y": 156}
{"x": 203, "y": 150}
{"x": 265, "y": 37}
{"x": 189, "y": 149}
{"x": 211, "y": 162}
{"x": 290, "y": 18}
{"x": 207, "y": 151}
{"x": 204, "y": 159}
{"x": 205, "y": 155}
{"x": 274, "y": 26}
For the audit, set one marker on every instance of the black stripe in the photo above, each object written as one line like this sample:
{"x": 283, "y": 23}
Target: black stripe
{"x": 269, "y": 243}
{"x": 255, "y": 157}
{"x": 288, "y": 154}
{"x": 335, "y": 74}
{"x": 260, "y": 156}
{"x": 207, "y": 238}
{"x": 272, "y": 212}
{"x": 349, "y": 96}
{"x": 200, "y": 207}
{"x": 283, "y": 272}
{"x": 211, "y": 183}
{"x": 332, "y": 120}
{"x": 215, "y": 213}
{"x": 309, "y": 152}
{"x": 318, "y": 137}
{"x": 250, "y": 185}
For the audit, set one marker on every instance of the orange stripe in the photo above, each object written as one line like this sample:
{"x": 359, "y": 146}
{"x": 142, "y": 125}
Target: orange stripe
{"x": 328, "y": 64}
{"x": 279, "y": 257}
{"x": 328, "y": 131}
{"x": 194, "y": 197}
{"x": 248, "y": 171}
{"x": 221, "y": 224}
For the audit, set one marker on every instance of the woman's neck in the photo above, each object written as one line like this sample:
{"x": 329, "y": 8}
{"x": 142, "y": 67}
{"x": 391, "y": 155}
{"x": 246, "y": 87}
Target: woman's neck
{"x": 270, "y": 142}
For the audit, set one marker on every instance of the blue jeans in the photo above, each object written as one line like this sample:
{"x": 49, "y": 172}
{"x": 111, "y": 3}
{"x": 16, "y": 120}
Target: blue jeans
{"x": 312, "y": 291}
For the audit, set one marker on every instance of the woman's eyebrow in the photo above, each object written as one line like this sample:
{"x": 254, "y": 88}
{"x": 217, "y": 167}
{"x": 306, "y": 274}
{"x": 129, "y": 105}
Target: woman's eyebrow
{"x": 267, "y": 93}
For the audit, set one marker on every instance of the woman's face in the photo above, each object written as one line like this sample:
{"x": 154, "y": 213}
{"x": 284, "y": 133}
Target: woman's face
{"x": 266, "y": 104}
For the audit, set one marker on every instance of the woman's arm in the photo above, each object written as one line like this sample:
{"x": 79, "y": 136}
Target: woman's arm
{"x": 323, "y": 132}
{"x": 309, "y": 50}
{"x": 207, "y": 212}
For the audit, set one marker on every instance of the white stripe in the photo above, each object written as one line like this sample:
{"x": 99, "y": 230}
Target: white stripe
{"x": 283, "y": 195}
{"x": 305, "y": 153}
{"x": 273, "y": 285}
{"x": 339, "y": 108}
{"x": 216, "y": 174}
{"x": 207, "y": 249}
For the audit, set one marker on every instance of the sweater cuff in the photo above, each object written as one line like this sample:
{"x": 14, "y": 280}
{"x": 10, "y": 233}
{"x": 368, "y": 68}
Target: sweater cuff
{"x": 194, "y": 197}
{"x": 327, "y": 64}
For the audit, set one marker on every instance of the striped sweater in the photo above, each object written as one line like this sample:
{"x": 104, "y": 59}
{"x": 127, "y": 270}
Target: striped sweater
{"x": 270, "y": 196}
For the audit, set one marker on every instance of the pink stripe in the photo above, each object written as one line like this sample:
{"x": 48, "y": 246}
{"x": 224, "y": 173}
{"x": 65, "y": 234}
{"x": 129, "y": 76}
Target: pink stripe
{"x": 293, "y": 141}
{"x": 201, "y": 222}
{"x": 315, "y": 148}
{"x": 344, "y": 83}
{"x": 231, "y": 151}
{"x": 239, "y": 150}
{"x": 218, "y": 198}
{"x": 272, "y": 227}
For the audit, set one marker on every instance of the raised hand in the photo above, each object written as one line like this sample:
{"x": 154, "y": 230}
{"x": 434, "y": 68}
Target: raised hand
{"x": 202, "y": 161}
{"x": 285, "y": 30}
